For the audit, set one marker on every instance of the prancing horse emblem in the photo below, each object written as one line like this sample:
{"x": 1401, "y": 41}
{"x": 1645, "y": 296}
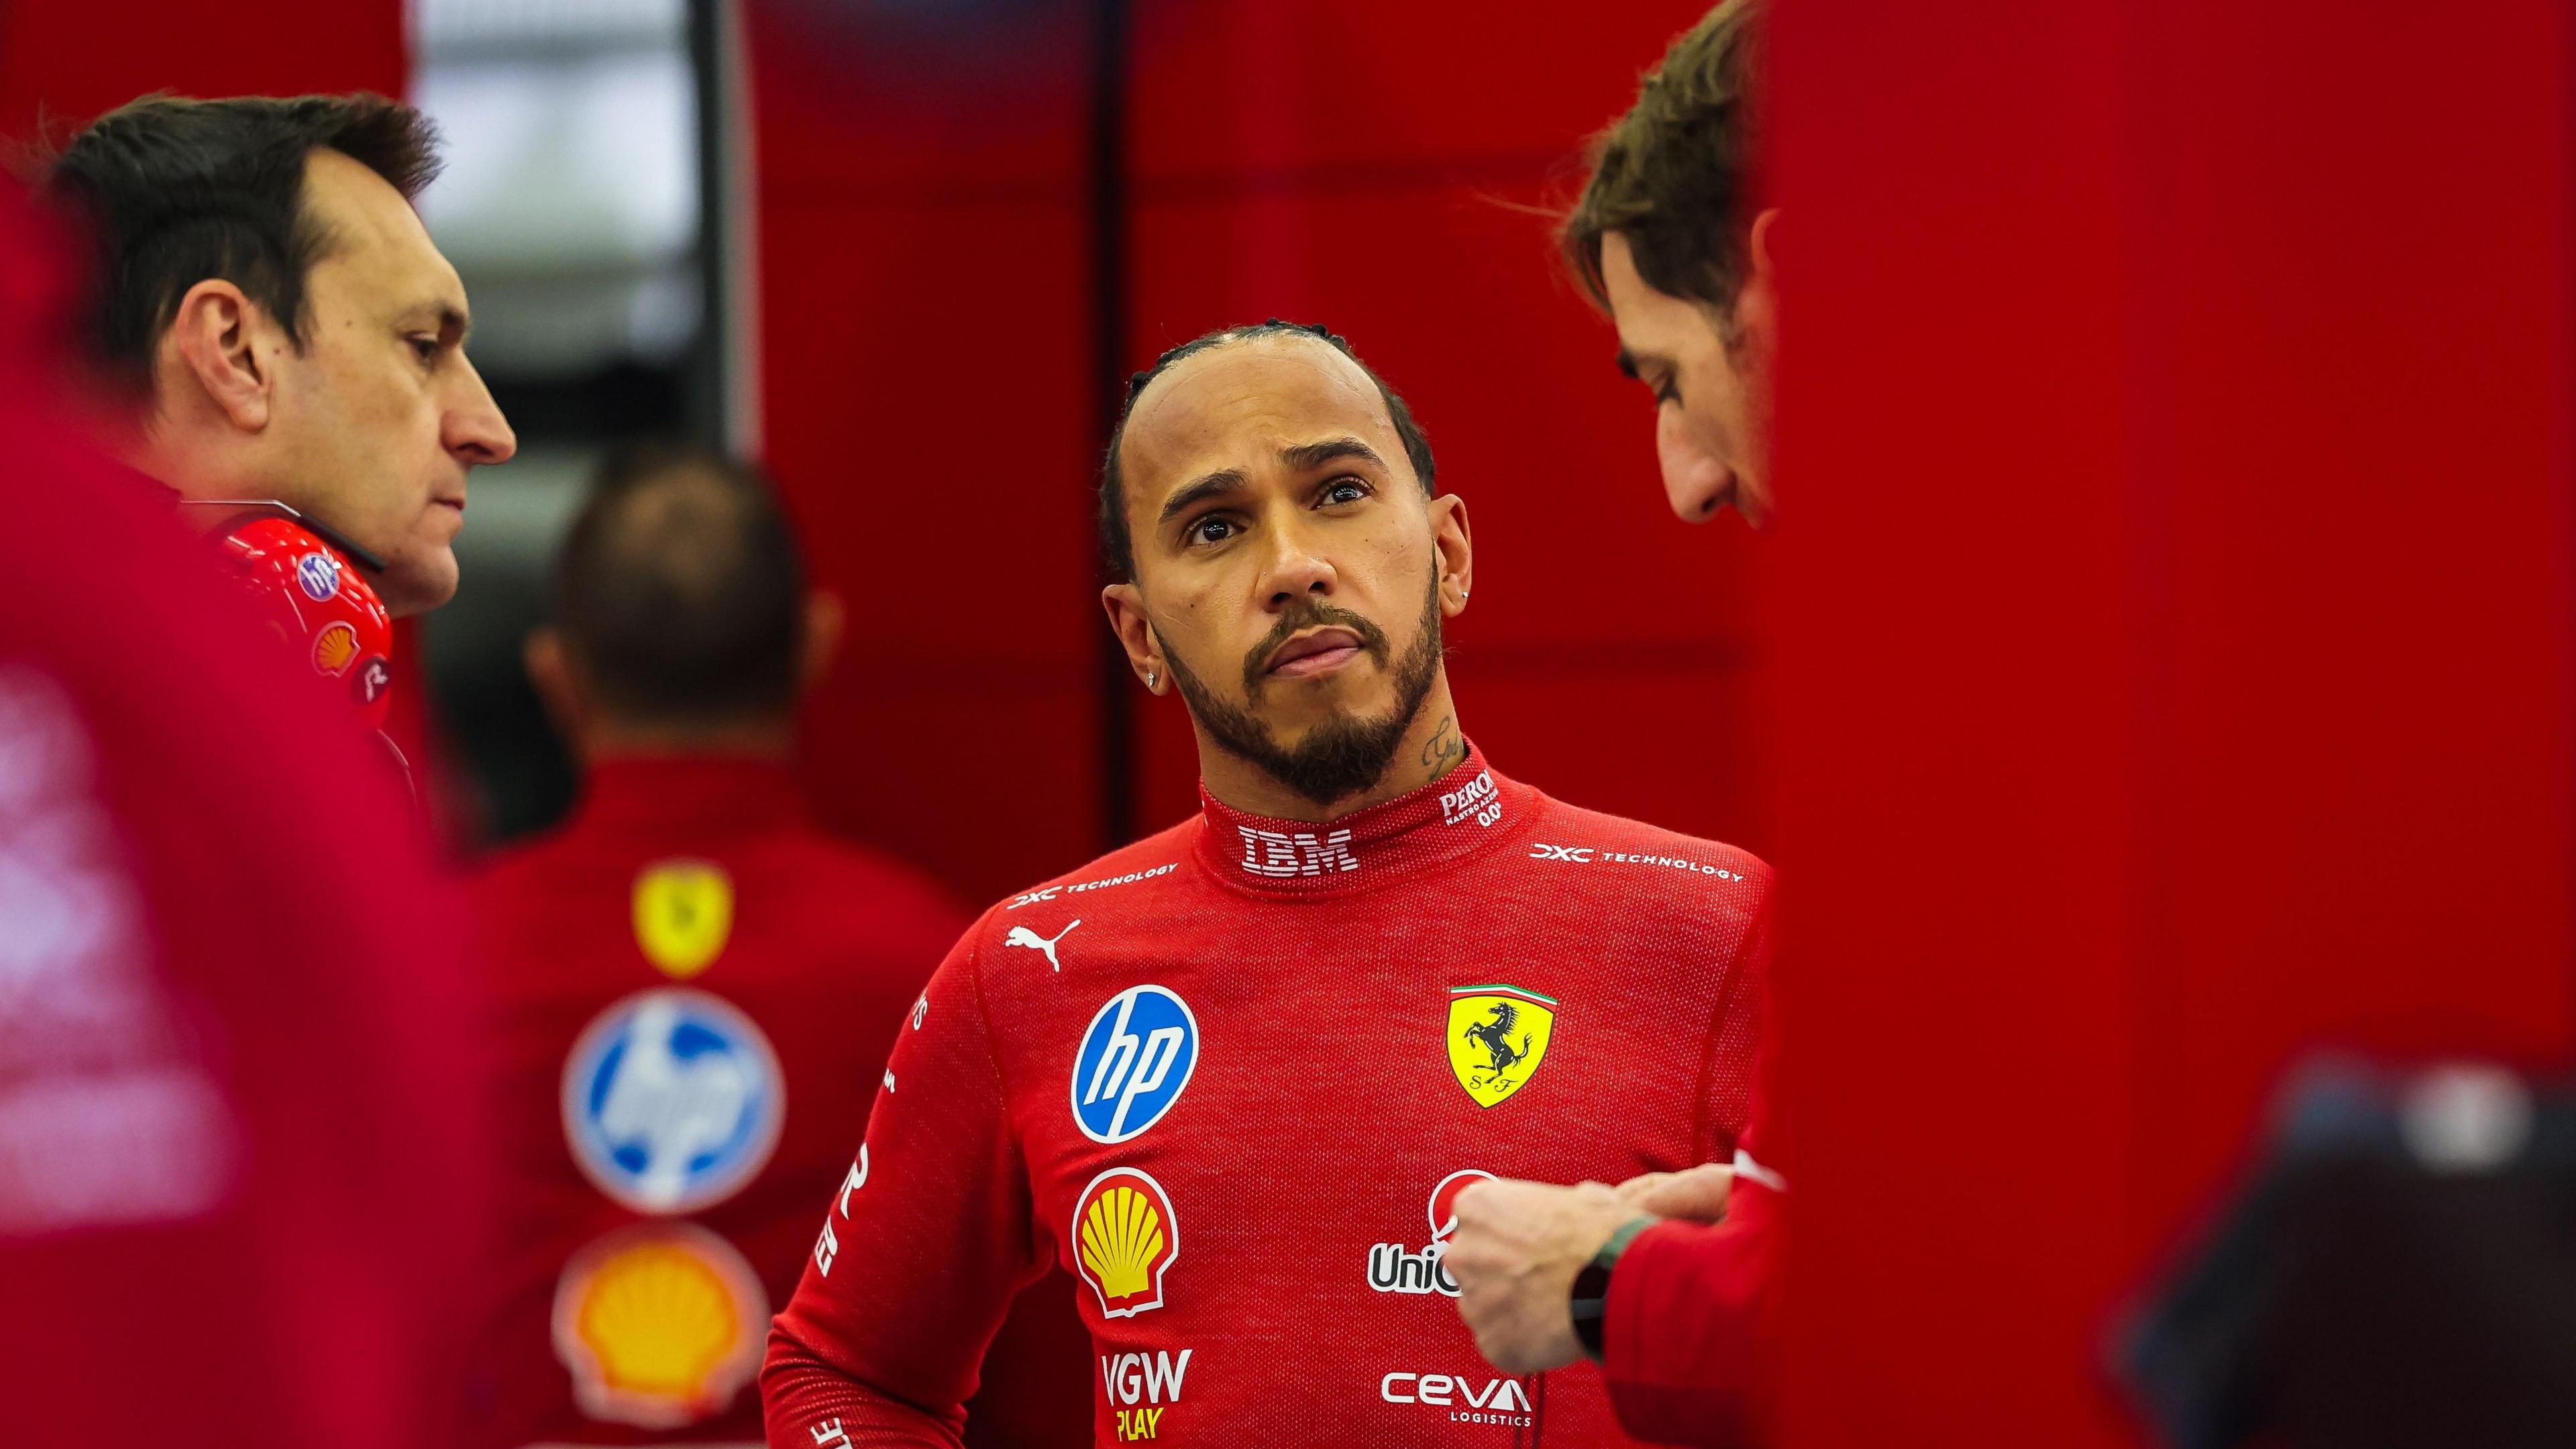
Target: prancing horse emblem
{"x": 1498, "y": 1035}
{"x": 1023, "y": 936}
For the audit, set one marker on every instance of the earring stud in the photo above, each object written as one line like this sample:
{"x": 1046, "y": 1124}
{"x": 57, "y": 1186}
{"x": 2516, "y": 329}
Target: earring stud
{"x": 1151, "y": 678}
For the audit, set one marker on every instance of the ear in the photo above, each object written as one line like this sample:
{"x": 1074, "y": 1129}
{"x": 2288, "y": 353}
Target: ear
{"x": 1127, "y": 620}
{"x": 1457, "y": 551}
{"x": 1757, "y": 305}
{"x": 215, "y": 337}
{"x": 824, "y": 617}
{"x": 550, "y": 671}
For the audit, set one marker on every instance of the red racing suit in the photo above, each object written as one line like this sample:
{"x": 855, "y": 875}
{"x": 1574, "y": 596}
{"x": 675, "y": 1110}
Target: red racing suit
{"x": 1233, "y": 1076}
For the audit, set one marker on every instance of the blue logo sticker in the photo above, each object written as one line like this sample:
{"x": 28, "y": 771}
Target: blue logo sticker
{"x": 319, "y": 574}
{"x": 1135, "y": 1059}
{"x": 672, "y": 1101}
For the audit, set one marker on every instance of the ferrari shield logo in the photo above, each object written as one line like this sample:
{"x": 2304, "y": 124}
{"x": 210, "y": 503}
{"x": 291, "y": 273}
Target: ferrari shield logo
{"x": 683, "y": 913}
{"x": 1497, "y": 1037}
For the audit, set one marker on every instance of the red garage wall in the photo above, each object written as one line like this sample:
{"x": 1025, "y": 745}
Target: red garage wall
{"x": 926, "y": 358}
{"x": 2173, "y": 637}
{"x": 69, "y": 62}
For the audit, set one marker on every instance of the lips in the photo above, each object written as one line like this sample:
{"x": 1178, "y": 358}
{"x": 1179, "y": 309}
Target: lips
{"x": 1315, "y": 652}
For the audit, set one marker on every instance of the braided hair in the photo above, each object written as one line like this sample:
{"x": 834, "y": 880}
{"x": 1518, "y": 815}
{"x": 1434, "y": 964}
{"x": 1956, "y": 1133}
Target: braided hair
{"x": 1117, "y": 544}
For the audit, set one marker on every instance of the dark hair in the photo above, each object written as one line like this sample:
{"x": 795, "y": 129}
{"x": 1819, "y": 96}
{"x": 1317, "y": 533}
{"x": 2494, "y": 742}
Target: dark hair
{"x": 679, "y": 590}
{"x": 1118, "y": 544}
{"x": 177, "y": 191}
{"x": 1675, "y": 175}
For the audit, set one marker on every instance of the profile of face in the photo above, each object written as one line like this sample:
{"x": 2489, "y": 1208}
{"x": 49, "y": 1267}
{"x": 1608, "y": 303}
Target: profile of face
{"x": 1291, "y": 572}
{"x": 371, "y": 425}
{"x": 1711, "y": 378}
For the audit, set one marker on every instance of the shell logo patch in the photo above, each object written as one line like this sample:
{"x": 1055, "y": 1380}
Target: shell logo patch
{"x": 672, "y": 1100}
{"x": 660, "y": 1325}
{"x": 683, "y": 913}
{"x": 1125, "y": 1238}
{"x": 1498, "y": 1035}
{"x": 334, "y": 647}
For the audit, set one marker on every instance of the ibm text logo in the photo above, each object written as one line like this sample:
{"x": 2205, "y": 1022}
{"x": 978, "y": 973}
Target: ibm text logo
{"x": 1275, "y": 853}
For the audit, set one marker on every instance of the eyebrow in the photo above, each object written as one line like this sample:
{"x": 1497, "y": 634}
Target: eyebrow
{"x": 1306, "y": 456}
{"x": 1224, "y": 480}
{"x": 454, "y": 325}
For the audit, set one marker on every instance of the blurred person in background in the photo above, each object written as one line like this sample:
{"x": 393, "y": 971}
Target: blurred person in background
{"x": 692, "y": 991}
{"x": 286, "y": 350}
{"x": 1680, "y": 1308}
{"x": 234, "y": 1176}
{"x": 1234, "y": 1075}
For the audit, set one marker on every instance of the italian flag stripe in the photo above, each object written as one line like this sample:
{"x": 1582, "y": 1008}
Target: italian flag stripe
{"x": 1498, "y": 989}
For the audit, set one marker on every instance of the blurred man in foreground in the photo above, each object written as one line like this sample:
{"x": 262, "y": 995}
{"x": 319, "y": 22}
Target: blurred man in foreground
{"x": 1235, "y": 1075}
{"x": 1669, "y": 239}
{"x": 692, "y": 990}
{"x": 288, "y": 352}
{"x": 234, "y": 1181}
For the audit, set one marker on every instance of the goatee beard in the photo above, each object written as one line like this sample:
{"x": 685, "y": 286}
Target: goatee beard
{"x": 1346, "y": 754}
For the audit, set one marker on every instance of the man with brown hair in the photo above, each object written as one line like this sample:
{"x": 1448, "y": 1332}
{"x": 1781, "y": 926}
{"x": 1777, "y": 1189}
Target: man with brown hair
{"x": 1670, "y": 240}
{"x": 282, "y": 321}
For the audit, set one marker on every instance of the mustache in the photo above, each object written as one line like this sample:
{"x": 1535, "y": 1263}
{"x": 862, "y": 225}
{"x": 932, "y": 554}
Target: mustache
{"x": 1310, "y": 613}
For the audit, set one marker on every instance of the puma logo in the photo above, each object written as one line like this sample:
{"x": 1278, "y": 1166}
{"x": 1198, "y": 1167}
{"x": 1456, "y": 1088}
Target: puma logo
{"x": 1023, "y": 936}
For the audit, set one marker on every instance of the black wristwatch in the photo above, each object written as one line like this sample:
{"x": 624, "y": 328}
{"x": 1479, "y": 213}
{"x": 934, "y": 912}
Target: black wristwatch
{"x": 1590, "y": 1301}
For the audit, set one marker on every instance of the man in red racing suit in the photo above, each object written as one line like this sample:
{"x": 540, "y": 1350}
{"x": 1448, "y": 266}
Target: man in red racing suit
{"x": 1233, "y": 1076}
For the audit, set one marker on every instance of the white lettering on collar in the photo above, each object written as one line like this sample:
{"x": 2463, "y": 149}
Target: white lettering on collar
{"x": 1278, "y": 854}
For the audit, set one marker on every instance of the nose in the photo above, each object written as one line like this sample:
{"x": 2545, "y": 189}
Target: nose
{"x": 1694, "y": 479}
{"x": 475, "y": 432}
{"x": 1295, "y": 570}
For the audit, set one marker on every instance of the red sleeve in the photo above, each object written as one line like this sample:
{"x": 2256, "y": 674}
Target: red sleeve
{"x": 1691, "y": 1333}
{"x": 923, "y": 1245}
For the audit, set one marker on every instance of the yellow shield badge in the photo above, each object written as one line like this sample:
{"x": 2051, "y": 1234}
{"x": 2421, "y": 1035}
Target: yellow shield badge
{"x": 1497, "y": 1037}
{"x": 683, "y": 913}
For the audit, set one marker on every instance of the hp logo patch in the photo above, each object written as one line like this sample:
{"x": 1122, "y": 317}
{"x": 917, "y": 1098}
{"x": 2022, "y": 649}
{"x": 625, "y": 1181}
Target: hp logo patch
{"x": 672, "y": 1101}
{"x": 1135, "y": 1059}
{"x": 319, "y": 576}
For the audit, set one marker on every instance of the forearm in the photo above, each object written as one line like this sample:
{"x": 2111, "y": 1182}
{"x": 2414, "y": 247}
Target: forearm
{"x": 811, "y": 1403}
{"x": 1691, "y": 1330}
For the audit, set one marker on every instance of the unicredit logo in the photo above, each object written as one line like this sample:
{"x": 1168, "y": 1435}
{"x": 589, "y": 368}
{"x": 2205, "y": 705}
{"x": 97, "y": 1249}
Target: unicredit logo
{"x": 1395, "y": 1268}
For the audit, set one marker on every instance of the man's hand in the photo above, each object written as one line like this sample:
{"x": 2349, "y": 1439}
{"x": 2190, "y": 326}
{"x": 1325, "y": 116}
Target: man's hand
{"x": 1698, "y": 1195}
{"x": 1515, "y": 1254}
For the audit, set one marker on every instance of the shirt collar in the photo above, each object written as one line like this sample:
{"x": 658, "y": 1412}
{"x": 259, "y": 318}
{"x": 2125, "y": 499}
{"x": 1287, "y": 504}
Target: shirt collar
{"x": 1444, "y": 822}
{"x": 726, "y": 794}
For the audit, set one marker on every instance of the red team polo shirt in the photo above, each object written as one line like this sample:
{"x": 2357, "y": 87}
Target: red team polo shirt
{"x": 691, "y": 993}
{"x": 1233, "y": 1077}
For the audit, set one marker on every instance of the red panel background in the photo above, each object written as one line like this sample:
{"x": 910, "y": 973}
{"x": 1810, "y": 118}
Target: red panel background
{"x": 2172, "y": 637}
{"x": 70, "y": 62}
{"x": 926, "y": 325}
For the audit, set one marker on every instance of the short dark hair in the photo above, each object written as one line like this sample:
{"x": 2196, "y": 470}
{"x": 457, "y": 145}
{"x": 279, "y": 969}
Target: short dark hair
{"x": 1676, "y": 175}
{"x": 679, "y": 591}
{"x": 177, "y": 191}
{"x": 1117, "y": 543}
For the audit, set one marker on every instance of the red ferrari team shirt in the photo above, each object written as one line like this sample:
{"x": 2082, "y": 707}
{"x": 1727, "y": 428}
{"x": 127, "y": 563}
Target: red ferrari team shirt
{"x": 1233, "y": 1077}
{"x": 692, "y": 994}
